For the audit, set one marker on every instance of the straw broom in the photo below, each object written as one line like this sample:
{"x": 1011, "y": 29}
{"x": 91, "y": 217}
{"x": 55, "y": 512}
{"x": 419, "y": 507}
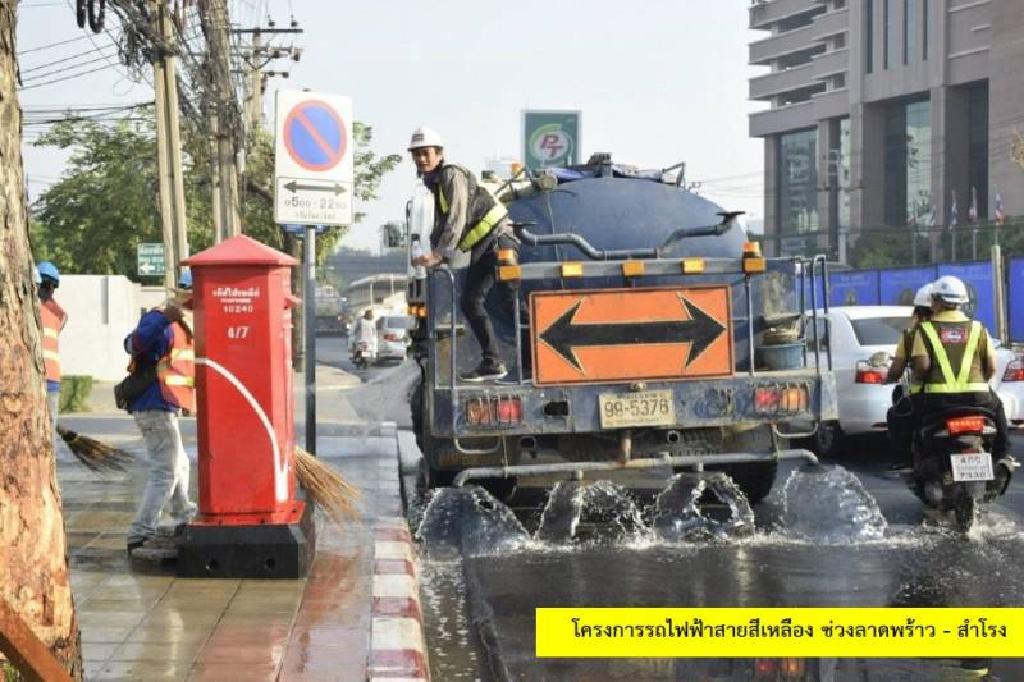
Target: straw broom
{"x": 326, "y": 487}
{"x": 92, "y": 453}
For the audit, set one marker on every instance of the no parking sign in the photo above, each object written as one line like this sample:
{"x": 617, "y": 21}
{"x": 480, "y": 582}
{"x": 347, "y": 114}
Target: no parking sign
{"x": 313, "y": 158}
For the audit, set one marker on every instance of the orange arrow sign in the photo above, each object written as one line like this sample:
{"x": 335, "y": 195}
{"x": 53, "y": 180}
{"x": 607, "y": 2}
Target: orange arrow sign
{"x": 616, "y": 335}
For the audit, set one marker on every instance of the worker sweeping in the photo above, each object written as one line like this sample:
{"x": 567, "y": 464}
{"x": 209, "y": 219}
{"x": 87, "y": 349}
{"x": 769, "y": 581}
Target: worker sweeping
{"x": 53, "y": 319}
{"x": 163, "y": 362}
{"x": 467, "y": 219}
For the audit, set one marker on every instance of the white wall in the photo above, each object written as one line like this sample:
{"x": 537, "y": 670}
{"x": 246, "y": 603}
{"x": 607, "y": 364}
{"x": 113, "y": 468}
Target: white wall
{"x": 101, "y": 310}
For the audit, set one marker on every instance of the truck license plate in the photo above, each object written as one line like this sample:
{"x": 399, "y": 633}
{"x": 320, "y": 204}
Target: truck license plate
{"x": 651, "y": 408}
{"x": 972, "y": 466}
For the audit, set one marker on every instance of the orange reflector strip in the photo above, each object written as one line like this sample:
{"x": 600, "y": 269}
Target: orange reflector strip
{"x": 572, "y": 269}
{"x": 507, "y": 273}
{"x": 692, "y": 266}
{"x": 633, "y": 268}
{"x": 507, "y": 256}
{"x": 753, "y": 264}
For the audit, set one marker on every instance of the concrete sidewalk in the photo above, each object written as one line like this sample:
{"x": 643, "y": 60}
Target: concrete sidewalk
{"x": 355, "y": 617}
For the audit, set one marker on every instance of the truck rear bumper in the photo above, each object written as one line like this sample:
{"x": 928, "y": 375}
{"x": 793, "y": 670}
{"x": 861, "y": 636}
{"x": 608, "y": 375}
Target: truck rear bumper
{"x": 697, "y": 461}
{"x": 576, "y": 409}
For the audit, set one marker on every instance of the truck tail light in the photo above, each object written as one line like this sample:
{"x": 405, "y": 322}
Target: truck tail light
{"x": 1014, "y": 370}
{"x": 391, "y": 336}
{"x": 869, "y": 374}
{"x": 961, "y": 425}
{"x": 494, "y": 411}
{"x": 774, "y": 399}
{"x": 764, "y": 667}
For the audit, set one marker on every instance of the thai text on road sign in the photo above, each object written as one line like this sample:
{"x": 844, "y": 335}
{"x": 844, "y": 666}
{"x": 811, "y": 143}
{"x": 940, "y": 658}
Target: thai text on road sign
{"x": 313, "y": 166}
{"x": 617, "y": 335}
{"x": 150, "y": 259}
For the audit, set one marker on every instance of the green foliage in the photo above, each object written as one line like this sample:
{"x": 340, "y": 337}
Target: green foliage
{"x": 107, "y": 200}
{"x": 74, "y": 392}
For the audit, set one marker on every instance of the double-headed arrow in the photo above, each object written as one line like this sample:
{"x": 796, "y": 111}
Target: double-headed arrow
{"x": 700, "y": 331}
{"x": 294, "y": 186}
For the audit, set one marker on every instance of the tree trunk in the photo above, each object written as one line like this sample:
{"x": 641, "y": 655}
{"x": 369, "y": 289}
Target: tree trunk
{"x": 34, "y": 576}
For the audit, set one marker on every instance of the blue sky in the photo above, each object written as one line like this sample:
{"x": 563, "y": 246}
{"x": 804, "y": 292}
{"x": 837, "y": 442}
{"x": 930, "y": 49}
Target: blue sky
{"x": 658, "y": 81}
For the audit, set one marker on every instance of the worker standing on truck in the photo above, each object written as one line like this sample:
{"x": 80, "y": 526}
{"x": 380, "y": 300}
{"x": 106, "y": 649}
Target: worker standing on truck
{"x": 466, "y": 218}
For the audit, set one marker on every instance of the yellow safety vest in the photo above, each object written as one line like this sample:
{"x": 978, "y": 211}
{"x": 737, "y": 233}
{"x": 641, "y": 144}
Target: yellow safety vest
{"x": 960, "y": 382}
{"x": 483, "y": 227}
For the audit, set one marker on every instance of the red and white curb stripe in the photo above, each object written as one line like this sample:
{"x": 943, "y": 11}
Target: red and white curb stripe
{"x": 397, "y": 650}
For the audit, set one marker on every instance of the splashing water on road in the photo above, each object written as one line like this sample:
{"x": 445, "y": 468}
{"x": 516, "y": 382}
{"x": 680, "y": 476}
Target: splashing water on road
{"x": 469, "y": 520}
{"x": 606, "y": 511}
{"x": 830, "y": 504}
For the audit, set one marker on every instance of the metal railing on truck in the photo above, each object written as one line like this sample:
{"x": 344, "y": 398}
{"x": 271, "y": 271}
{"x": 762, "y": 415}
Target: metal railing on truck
{"x": 632, "y": 263}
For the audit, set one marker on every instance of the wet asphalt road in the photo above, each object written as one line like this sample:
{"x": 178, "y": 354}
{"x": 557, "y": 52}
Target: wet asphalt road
{"x": 479, "y": 605}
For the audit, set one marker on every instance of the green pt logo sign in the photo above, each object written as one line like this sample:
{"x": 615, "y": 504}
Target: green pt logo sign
{"x": 551, "y": 138}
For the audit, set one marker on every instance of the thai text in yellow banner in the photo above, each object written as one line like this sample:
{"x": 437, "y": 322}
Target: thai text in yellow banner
{"x": 887, "y": 632}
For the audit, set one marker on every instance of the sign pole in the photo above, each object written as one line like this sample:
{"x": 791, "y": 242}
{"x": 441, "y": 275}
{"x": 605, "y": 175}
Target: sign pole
{"x": 309, "y": 263}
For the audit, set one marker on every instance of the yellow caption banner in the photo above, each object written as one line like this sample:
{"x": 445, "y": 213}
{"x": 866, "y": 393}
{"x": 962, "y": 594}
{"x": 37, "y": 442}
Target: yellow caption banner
{"x": 887, "y": 632}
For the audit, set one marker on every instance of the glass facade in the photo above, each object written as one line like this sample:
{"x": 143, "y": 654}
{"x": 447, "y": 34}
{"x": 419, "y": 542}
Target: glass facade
{"x": 797, "y": 196}
{"x": 977, "y": 150}
{"x": 908, "y": 164}
{"x": 845, "y": 176}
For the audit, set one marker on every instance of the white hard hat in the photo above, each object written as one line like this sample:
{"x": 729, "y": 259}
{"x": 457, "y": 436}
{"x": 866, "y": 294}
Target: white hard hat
{"x": 425, "y": 137}
{"x": 923, "y": 297}
{"x": 950, "y": 290}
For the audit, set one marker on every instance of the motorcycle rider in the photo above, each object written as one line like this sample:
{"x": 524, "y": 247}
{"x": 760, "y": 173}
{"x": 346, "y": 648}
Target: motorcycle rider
{"x": 366, "y": 332}
{"x": 953, "y": 358}
{"x": 904, "y": 415}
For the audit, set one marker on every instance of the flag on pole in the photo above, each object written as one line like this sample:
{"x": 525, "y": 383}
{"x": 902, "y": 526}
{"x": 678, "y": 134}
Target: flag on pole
{"x": 952, "y": 210}
{"x": 1000, "y": 214}
{"x": 972, "y": 210}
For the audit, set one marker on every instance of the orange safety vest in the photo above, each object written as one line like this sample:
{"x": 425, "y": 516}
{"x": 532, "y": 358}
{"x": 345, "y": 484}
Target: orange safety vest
{"x": 176, "y": 371}
{"x": 53, "y": 318}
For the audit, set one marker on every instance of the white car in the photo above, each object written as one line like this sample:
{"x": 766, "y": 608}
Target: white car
{"x": 856, "y": 334}
{"x": 393, "y": 337}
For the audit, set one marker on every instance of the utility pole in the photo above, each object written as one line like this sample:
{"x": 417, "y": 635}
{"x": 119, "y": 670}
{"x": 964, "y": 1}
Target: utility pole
{"x": 214, "y": 18}
{"x": 172, "y": 185}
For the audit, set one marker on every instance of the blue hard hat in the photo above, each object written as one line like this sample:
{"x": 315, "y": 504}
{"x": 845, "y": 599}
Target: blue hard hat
{"x": 35, "y": 275}
{"x": 185, "y": 280}
{"x": 48, "y": 269}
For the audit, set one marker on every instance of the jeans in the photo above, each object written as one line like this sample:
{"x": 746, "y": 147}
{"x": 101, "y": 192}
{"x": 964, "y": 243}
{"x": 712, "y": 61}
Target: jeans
{"x": 168, "y": 473}
{"x": 480, "y": 279}
{"x": 60, "y": 449}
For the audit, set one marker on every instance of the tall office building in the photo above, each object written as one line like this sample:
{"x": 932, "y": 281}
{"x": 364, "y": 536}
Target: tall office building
{"x": 885, "y": 113}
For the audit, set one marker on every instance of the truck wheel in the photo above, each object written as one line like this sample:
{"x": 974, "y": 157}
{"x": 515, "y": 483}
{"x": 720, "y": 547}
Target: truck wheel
{"x": 828, "y": 440}
{"x": 754, "y": 479}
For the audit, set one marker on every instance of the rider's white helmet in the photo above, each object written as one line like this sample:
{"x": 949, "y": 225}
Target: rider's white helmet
{"x": 950, "y": 289}
{"x": 923, "y": 297}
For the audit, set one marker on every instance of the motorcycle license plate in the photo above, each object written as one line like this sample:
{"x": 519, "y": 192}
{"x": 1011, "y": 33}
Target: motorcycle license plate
{"x": 972, "y": 466}
{"x": 650, "y": 408}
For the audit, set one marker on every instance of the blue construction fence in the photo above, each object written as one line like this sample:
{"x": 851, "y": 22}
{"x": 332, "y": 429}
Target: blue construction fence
{"x": 896, "y": 286}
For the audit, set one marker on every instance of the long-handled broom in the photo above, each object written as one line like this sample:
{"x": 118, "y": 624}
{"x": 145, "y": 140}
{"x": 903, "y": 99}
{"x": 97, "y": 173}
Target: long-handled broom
{"x": 92, "y": 453}
{"x": 326, "y": 487}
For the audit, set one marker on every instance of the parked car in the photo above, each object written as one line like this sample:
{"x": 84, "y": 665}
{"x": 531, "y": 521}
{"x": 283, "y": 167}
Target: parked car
{"x": 861, "y": 338}
{"x": 393, "y": 337}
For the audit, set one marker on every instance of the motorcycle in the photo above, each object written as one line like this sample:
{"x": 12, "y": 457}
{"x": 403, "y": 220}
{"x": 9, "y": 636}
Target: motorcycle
{"x": 362, "y": 355}
{"x": 953, "y": 468}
